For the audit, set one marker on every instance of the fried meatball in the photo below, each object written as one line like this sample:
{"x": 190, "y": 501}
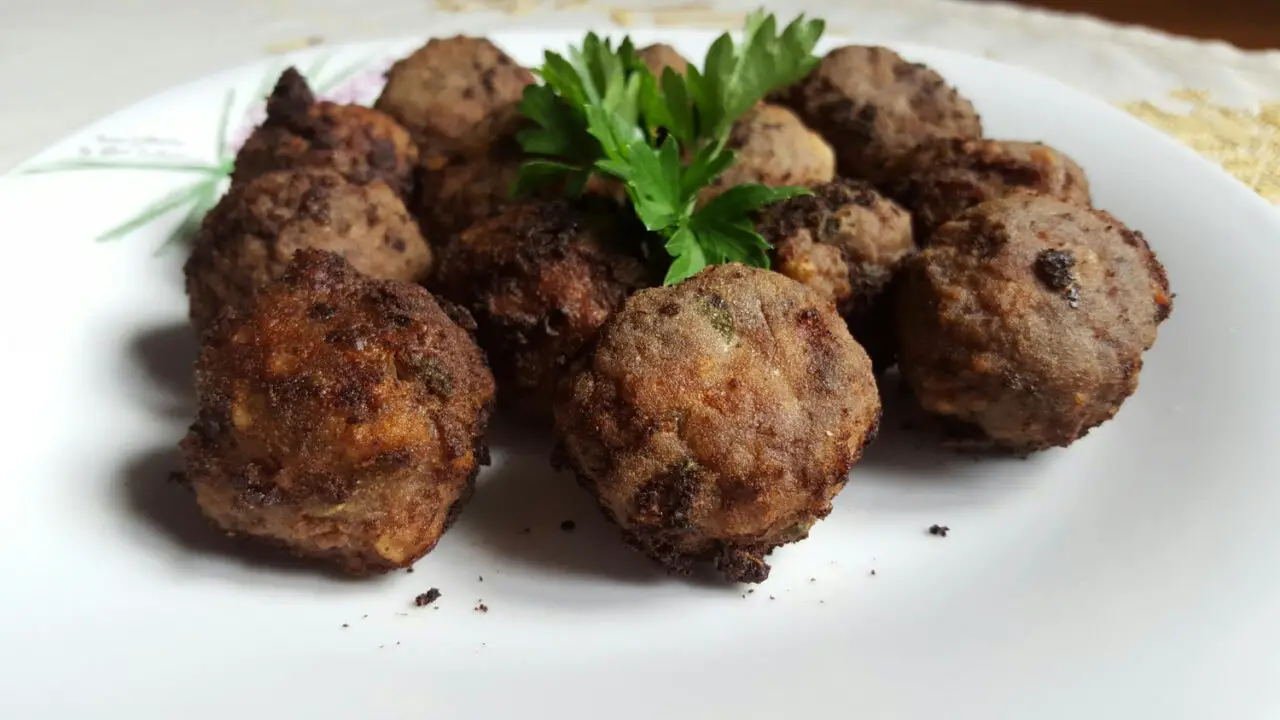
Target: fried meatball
{"x": 717, "y": 418}
{"x": 248, "y": 239}
{"x": 360, "y": 143}
{"x": 874, "y": 107}
{"x": 540, "y": 280}
{"x": 340, "y": 416}
{"x": 845, "y": 242}
{"x": 772, "y": 147}
{"x": 943, "y": 178}
{"x": 658, "y": 57}
{"x": 455, "y": 95}
{"x": 464, "y": 190}
{"x": 1024, "y": 322}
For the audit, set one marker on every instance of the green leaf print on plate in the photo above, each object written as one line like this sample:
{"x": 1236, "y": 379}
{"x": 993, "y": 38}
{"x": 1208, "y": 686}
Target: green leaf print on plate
{"x": 355, "y": 81}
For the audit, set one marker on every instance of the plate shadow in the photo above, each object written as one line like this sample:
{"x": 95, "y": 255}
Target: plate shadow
{"x": 529, "y": 513}
{"x": 168, "y": 508}
{"x": 166, "y": 356}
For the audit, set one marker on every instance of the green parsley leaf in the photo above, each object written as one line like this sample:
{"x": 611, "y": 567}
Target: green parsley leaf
{"x": 602, "y": 111}
{"x": 734, "y": 79}
{"x": 688, "y": 258}
{"x": 741, "y": 201}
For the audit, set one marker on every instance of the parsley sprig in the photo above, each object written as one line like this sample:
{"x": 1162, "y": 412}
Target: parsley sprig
{"x": 601, "y": 111}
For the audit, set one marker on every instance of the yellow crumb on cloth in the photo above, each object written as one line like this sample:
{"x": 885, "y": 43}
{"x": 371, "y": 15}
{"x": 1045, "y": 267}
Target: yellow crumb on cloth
{"x": 506, "y": 7}
{"x": 288, "y": 46}
{"x": 1245, "y": 142}
{"x": 621, "y": 16}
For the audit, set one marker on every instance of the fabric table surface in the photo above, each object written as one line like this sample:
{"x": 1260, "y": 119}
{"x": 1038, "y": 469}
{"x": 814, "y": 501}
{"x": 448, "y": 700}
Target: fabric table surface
{"x": 68, "y": 63}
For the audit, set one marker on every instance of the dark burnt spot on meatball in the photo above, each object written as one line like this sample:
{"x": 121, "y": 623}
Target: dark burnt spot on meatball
{"x": 667, "y": 501}
{"x": 1054, "y": 269}
{"x": 322, "y": 311}
{"x": 742, "y": 566}
{"x": 307, "y": 435}
{"x": 290, "y": 99}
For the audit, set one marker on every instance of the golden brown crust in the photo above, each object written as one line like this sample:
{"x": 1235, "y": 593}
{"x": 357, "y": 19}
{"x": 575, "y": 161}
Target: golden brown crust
{"x": 1026, "y": 318}
{"x": 874, "y": 107}
{"x": 943, "y": 178}
{"x": 251, "y": 235}
{"x": 540, "y": 280}
{"x": 717, "y": 418}
{"x": 772, "y": 147}
{"x": 845, "y": 242}
{"x": 361, "y": 143}
{"x": 455, "y": 95}
{"x": 340, "y": 416}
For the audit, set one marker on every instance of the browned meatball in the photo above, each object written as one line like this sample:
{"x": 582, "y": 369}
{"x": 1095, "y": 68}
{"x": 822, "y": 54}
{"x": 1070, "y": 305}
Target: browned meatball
{"x": 341, "y": 417}
{"x": 717, "y": 418}
{"x": 540, "y": 280}
{"x": 659, "y": 57}
{"x": 360, "y": 143}
{"x": 1024, "y": 321}
{"x": 874, "y": 107}
{"x": 943, "y": 178}
{"x": 846, "y": 243}
{"x": 772, "y": 147}
{"x": 248, "y": 239}
{"x": 455, "y": 95}
{"x": 464, "y": 190}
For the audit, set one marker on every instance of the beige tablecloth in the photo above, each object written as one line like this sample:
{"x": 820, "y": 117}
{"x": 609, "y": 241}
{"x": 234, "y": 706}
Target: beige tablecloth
{"x": 65, "y": 63}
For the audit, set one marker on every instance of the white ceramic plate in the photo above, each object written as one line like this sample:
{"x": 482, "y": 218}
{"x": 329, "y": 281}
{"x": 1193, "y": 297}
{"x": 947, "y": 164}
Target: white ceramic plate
{"x": 1134, "y": 575}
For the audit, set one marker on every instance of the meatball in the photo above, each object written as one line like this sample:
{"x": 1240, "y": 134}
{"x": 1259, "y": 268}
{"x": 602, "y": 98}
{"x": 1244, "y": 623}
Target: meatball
{"x": 1024, "y": 322}
{"x": 772, "y": 147}
{"x": 846, "y": 243}
{"x": 717, "y": 418}
{"x": 540, "y": 280}
{"x": 874, "y": 107}
{"x": 248, "y": 239}
{"x": 943, "y": 178}
{"x": 340, "y": 416}
{"x": 455, "y": 95}
{"x": 463, "y": 190}
{"x": 360, "y": 143}
{"x": 659, "y": 57}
